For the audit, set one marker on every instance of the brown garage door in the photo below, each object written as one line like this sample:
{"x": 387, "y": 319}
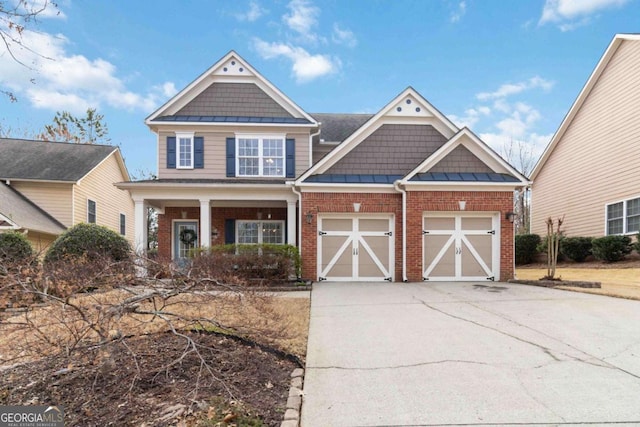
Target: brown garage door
{"x": 355, "y": 248}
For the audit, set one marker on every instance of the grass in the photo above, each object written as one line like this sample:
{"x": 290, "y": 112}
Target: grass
{"x": 617, "y": 282}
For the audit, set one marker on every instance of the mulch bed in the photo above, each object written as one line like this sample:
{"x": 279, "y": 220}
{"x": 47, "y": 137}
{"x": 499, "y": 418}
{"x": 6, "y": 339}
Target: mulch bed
{"x": 151, "y": 381}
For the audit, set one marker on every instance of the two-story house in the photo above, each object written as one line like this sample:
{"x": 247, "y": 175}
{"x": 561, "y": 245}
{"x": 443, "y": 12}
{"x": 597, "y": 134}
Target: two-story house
{"x": 403, "y": 194}
{"x": 47, "y": 187}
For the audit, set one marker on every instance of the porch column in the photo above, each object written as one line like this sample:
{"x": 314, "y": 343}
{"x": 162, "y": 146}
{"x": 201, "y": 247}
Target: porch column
{"x": 140, "y": 226}
{"x": 205, "y": 223}
{"x": 291, "y": 223}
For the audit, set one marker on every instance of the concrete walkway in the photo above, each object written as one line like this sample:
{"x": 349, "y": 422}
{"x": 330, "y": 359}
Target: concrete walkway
{"x": 391, "y": 354}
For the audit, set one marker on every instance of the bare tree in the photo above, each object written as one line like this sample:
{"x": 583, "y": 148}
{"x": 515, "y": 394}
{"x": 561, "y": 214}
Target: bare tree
{"x": 66, "y": 127}
{"x": 520, "y": 155}
{"x": 553, "y": 245}
{"x": 15, "y": 18}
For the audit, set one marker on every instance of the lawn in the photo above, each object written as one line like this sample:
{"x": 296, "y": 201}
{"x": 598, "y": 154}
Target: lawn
{"x": 618, "y": 282}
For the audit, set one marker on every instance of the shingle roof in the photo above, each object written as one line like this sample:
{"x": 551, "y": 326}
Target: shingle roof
{"x": 49, "y": 161}
{"x": 337, "y": 127}
{"x": 233, "y": 119}
{"x": 230, "y": 181}
{"x": 26, "y": 214}
{"x": 464, "y": 177}
{"x": 353, "y": 179}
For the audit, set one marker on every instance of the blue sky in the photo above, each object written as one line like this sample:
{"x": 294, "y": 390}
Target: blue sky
{"x": 509, "y": 70}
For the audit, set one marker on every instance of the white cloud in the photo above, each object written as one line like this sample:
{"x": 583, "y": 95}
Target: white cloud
{"x": 457, "y": 14}
{"x": 253, "y": 14}
{"x": 305, "y": 67}
{"x": 56, "y": 79}
{"x": 570, "y": 14}
{"x": 343, "y": 36}
{"x": 471, "y": 116}
{"x": 509, "y": 89}
{"x": 302, "y": 19}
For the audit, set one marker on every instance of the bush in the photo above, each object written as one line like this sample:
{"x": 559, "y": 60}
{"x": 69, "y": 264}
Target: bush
{"x": 611, "y": 248}
{"x": 576, "y": 248}
{"x": 526, "y": 245}
{"x": 14, "y": 247}
{"x": 636, "y": 245}
{"x": 240, "y": 263}
{"x": 90, "y": 241}
{"x": 542, "y": 247}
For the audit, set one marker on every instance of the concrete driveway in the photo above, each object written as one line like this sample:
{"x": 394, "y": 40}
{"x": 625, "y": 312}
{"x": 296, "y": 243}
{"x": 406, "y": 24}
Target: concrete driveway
{"x": 390, "y": 354}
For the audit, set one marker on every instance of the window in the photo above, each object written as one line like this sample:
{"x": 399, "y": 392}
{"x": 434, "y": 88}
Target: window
{"x": 185, "y": 150}
{"x": 123, "y": 224}
{"x": 254, "y": 232}
{"x": 260, "y": 155}
{"x": 91, "y": 211}
{"x": 623, "y": 217}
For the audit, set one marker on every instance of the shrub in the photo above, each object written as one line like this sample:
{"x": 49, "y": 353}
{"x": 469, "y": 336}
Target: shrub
{"x": 576, "y": 248}
{"x": 234, "y": 263}
{"x": 542, "y": 246}
{"x": 611, "y": 248}
{"x": 526, "y": 245}
{"x": 636, "y": 245}
{"x": 91, "y": 241}
{"x": 14, "y": 247}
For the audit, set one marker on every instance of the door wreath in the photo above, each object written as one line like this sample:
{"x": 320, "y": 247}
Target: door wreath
{"x": 188, "y": 236}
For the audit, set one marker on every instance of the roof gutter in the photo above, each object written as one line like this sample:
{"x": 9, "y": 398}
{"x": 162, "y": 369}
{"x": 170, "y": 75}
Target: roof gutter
{"x": 397, "y": 186}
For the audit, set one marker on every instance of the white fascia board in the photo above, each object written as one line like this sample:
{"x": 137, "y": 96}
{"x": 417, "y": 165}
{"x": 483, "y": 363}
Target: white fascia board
{"x": 13, "y": 226}
{"x": 371, "y": 126}
{"x": 581, "y": 98}
{"x": 235, "y": 125}
{"x": 208, "y": 77}
{"x": 97, "y": 166}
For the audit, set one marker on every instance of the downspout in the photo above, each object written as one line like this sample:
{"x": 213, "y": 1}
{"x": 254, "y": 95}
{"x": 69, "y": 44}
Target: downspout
{"x": 396, "y": 185}
{"x": 299, "y": 194}
{"x": 311, "y": 144}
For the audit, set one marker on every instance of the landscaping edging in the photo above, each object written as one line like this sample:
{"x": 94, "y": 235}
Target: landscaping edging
{"x": 556, "y": 283}
{"x": 294, "y": 401}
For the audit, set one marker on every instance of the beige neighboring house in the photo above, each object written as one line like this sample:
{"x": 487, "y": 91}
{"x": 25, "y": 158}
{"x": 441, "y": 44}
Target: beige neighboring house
{"x": 46, "y": 187}
{"x": 590, "y": 171}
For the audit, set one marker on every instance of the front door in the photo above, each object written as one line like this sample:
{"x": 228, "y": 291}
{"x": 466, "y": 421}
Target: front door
{"x": 355, "y": 248}
{"x": 182, "y": 246}
{"x": 461, "y": 246}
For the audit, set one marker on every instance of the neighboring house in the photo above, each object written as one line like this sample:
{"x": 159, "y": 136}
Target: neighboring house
{"x": 47, "y": 187}
{"x": 403, "y": 194}
{"x": 590, "y": 171}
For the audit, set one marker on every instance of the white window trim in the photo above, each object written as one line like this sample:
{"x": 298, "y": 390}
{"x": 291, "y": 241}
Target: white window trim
{"x": 120, "y": 216}
{"x": 625, "y": 231}
{"x": 184, "y": 135}
{"x": 261, "y": 137}
{"x": 260, "y": 237}
{"x": 95, "y": 213}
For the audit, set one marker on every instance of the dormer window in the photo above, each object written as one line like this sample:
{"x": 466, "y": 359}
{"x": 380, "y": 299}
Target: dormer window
{"x": 185, "y": 150}
{"x": 260, "y": 155}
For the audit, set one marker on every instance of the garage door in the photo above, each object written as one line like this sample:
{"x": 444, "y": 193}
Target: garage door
{"x": 355, "y": 248}
{"x": 461, "y": 247}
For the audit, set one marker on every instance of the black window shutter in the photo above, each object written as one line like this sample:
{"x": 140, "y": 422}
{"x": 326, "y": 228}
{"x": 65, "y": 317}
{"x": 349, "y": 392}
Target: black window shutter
{"x": 171, "y": 152}
{"x": 198, "y": 152}
{"x": 231, "y": 157}
{"x": 229, "y": 231}
{"x": 291, "y": 158}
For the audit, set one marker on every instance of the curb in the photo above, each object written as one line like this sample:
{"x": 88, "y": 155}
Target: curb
{"x": 294, "y": 401}
{"x": 556, "y": 283}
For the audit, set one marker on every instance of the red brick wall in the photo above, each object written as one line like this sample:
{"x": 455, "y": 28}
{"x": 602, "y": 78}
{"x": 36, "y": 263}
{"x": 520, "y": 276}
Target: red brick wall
{"x": 419, "y": 202}
{"x": 343, "y": 203}
{"x": 218, "y": 215}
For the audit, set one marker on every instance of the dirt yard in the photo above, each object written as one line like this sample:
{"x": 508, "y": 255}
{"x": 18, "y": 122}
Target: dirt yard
{"x": 621, "y": 279}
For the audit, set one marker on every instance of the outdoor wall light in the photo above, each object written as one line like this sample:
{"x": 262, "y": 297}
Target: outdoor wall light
{"x": 510, "y": 216}
{"x": 309, "y": 217}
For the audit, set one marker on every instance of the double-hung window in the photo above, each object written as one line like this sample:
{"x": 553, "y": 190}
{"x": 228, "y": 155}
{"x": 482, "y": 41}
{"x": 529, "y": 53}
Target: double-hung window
{"x": 255, "y": 232}
{"x": 91, "y": 211}
{"x": 260, "y": 155}
{"x": 623, "y": 217}
{"x": 184, "y": 143}
{"x": 123, "y": 224}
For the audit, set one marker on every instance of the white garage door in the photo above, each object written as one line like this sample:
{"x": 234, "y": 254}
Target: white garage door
{"x": 355, "y": 248}
{"x": 461, "y": 246}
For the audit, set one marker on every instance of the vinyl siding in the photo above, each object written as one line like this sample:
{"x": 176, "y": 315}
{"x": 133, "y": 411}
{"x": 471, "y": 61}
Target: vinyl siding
{"x": 215, "y": 153}
{"x": 110, "y": 201}
{"x": 40, "y": 242}
{"x": 596, "y": 161}
{"x": 55, "y": 199}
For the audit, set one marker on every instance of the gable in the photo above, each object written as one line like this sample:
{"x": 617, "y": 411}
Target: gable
{"x": 19, "y": 212}
{"x": 460, "y": 160}
{"x": 392, "y": 149}
{"x": 233, "y": 99}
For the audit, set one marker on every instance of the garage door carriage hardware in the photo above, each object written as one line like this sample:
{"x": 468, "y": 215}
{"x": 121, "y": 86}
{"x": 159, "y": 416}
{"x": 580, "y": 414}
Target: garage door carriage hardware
{"x": 491, "y": 232}
{"x": 322, "y": 233}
